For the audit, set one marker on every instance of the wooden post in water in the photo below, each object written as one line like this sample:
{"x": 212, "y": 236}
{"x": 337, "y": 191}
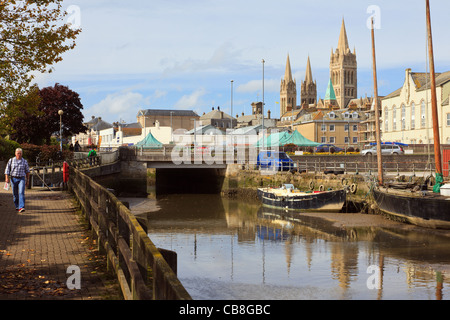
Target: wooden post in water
{"x": 434, "y": 112}
{"x": 377, "y": 114}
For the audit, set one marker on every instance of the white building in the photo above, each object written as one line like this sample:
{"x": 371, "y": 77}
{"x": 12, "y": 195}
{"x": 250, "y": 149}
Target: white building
{"x": 406, "y": 112}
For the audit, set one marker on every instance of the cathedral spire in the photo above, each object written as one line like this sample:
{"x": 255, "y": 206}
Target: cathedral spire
{"x": 288, "y": 73}
{"x": 308, "y": 77}
{"x": 343, "y": 40}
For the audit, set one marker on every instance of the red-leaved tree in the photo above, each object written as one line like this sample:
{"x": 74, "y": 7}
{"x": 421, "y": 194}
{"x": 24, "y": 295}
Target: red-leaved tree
{"x": 38, "y": 126}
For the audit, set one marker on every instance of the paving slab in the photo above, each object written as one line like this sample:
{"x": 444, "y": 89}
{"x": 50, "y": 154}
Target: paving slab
{"x": 47, "y": 253}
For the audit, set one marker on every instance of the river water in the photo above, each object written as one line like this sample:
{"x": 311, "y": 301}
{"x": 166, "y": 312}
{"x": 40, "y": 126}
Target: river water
{"x": 229, "y": 249}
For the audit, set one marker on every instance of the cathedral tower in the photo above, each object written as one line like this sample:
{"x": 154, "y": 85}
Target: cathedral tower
{"x": 343, "y": 70}
{"x": 308, "y": 94}
{"x": 288, "y": 91}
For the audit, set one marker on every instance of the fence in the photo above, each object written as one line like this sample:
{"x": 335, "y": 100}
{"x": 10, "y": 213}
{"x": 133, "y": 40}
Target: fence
{"x": 52, "y": 174}
{"x": 354, "y": 165}
{"x": 141, "y": 268}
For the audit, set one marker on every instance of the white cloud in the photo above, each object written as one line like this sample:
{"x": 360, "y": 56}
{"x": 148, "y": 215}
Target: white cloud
{"x": 192, "y": 100}
{"x": 270, "y": 85}
{"x": 159, "y": 93}
{"x": 119, "y": 105}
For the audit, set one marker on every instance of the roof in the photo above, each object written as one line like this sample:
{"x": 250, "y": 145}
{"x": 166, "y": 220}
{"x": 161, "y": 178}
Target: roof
{"x": 247, "y": 130}
{"x": 441, "y": 78}
{"x": 396, "y": 93}
{"x": 149, "y": 142}
{"x": 208, "y": 129}
{"x": 290, "y": 113}
{"x": 283, "y": 138}
{"x": 422, "y": 82}
{"x": 333, "y": 115}
{"x": 216, "y": 114}
{"x": 97, "y": 124}
{"x": 135, "y": 125}
{"x": 330, "y": 94}
{"x": 165, "y": 112}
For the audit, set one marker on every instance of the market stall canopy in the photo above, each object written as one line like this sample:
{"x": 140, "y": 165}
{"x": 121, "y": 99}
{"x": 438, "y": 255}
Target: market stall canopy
{"x": 280, "y": 139}
{"x": 149, "y": 142}
{"x": 300, "y": 141}
{"x": 274, "y": 140}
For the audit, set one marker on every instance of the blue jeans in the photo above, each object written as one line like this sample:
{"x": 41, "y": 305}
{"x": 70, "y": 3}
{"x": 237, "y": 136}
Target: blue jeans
{"x": 18, "y": 188}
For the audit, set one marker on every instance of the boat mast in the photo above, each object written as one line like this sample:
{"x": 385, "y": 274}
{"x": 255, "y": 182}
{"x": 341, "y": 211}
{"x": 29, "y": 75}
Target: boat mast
{"x": 377, "y": 114}
{"x": 434, "y": 112}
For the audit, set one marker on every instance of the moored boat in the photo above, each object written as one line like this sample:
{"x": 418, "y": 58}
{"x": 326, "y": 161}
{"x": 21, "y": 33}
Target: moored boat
{"x": 425, "y": 209}
{"x": 422, "y": 208}
{"x": 290, "y": 198}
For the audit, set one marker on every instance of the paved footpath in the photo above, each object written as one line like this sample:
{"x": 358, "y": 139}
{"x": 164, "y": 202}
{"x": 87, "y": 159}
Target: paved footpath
{"x": 38, "y": 246}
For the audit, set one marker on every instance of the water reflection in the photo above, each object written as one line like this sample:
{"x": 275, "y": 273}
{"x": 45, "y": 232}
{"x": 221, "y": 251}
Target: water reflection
{"x": 240, "y": 250}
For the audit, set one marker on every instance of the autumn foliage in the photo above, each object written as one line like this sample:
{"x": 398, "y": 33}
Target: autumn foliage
{"x": 36, "y": 126}
{"x": 33, "y": 37}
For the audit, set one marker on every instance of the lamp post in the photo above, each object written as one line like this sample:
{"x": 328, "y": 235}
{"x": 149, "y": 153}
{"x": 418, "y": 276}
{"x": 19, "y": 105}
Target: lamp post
{"x": 231, "y": 126}
{"x": 60, "y": 112}
{"x": 171, "y": 128}
{"x": 263, "y": 104}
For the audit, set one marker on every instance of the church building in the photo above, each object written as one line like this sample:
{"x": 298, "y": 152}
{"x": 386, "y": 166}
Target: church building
{"x": 343, "y": 71}
{"x": 342, "y": 87}
{"x": 288, "y": 90}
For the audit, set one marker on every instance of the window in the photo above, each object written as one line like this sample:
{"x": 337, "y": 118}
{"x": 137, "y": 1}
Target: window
{"x": 346, "y": 139}
{"x": 323, "y": 128}
{"x": 386, "y": 119}
{"x": 422, "y": 115}
{"x": 403, "y": 117}
{"x": 355, "y": 115}
{"x": 413, "y": 116}
{"x": 355, "y": 140}
{"x": 324, "y": 140}
{"x": 332, "y": 139}
{"x": 355, "y": 128}
{"x": 448, "y": 119}
{"x": 346, "y": 128}
{"x": 394, "y": 118}
{"x": 332, "y": 115}
{"x": 332, "y": 128}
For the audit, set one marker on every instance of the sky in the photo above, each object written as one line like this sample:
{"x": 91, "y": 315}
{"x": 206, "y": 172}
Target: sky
{"x": 183, "y": 54}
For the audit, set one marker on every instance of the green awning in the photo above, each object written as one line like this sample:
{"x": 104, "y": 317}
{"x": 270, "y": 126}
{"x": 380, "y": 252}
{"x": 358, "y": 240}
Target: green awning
{"x": 299, "y": 140}
{"x": 280, "y": 139}
{"x": 274, "y": 140}
{"x": 149, "y": 142}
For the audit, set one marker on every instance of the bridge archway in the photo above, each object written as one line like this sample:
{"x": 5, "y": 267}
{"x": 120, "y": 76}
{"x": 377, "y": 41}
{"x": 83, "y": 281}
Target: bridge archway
{"x": 189, "y": 181}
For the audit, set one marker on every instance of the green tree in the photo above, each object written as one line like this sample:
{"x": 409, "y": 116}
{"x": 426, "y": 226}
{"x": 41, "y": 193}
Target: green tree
{"x": 33, "y": 37}
{"x": 26, "y": 106}
{"x": 36, "y": 126}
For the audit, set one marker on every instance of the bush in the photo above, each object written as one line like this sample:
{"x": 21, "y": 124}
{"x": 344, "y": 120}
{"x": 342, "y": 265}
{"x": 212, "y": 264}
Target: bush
{"x": 44, "y": 153}
{"x": 350, "y": 149}
{"x": 7, "y": 149}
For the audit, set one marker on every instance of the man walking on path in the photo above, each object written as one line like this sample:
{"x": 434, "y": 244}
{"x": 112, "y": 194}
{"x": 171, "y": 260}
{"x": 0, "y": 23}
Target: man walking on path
{"x": 18, "y": 173}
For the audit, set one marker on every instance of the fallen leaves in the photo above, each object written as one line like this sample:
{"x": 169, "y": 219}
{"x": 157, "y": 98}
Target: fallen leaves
{"x": 27, "y": 282}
